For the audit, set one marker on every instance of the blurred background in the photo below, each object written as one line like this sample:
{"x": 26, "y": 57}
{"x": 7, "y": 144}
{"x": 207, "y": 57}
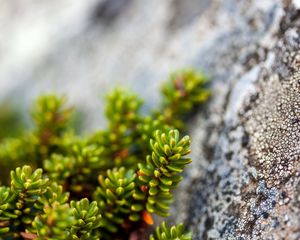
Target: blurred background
{"x": 84, "y": 48}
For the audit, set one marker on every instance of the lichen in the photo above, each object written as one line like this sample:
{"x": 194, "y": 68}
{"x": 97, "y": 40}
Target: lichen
{"x": 274, "y": 126}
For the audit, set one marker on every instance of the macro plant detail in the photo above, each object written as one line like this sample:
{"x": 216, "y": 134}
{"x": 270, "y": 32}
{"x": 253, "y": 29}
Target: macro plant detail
{"x": 106, "y": 185}
{"x": 163, "y": 232}
{"x": 161, "y": 171}
{"x": 184, "y": 90}
{"x": 114, "y": 198}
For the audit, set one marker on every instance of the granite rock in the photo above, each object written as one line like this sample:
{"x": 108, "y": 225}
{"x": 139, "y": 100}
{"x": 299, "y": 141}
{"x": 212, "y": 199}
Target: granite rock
{"x": 245, "y": 180}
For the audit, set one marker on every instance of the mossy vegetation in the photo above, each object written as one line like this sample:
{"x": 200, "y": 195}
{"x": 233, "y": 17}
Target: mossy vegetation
{"x": 106, "y": 185}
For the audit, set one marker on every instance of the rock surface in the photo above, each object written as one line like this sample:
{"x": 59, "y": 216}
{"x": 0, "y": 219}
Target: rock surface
{"x": 244, "y": 180}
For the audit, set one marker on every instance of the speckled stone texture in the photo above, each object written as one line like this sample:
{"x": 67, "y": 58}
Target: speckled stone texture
{"x": 244, "y": 182}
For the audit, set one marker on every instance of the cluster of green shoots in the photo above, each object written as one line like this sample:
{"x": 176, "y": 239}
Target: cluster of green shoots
{"x": 107, "y": 185}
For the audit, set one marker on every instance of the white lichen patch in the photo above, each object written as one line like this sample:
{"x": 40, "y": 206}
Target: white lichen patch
{"x": 274, "y": 127}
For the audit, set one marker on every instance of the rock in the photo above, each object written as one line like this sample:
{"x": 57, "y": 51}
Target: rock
{"x": 247, "y": 185}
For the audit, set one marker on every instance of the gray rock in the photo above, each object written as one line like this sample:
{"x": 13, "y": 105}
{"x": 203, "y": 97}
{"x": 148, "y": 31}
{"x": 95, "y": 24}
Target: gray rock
{"x": 247, "y": 143}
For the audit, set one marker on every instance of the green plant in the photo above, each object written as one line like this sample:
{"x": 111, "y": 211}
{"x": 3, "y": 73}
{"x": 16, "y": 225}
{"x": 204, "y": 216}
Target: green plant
{"x": 160, "y": 174}
{"x": 88, "y": 219}
{"x": 163, "y": 232}
{"x": 11, "y": 123}
{"x": 114, "y": 198}
{"x": 51, "y": 134}
{"x": 184, "y": 90}
{"x": 103, "y": 186}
